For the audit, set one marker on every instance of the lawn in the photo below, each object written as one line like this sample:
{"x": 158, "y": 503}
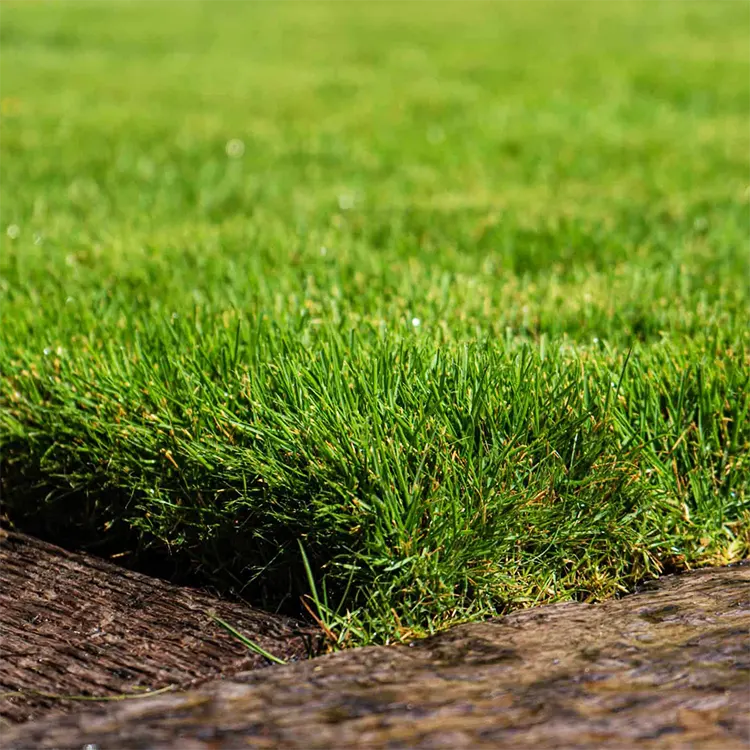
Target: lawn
{"x": 427, "y": 311}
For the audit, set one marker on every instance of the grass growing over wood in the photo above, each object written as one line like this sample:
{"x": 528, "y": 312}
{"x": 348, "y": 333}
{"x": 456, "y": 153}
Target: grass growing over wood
{"x": 454, "y": 296}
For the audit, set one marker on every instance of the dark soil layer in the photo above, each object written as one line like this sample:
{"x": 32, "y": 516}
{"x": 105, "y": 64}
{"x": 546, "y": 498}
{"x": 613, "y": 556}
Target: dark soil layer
{"x": 666, "y": 668}
{"x": 72, "y": 624}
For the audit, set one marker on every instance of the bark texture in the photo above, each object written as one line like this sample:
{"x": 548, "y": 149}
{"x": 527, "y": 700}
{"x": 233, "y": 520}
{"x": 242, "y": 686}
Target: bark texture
{"x": 666, "y": 668}
{"x": 72, "y": 624}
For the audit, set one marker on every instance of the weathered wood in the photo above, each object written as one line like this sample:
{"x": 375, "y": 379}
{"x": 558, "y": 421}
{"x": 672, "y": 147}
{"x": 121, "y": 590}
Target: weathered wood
{"x": 76, "y": 625}
{"x": 666, "y": 668}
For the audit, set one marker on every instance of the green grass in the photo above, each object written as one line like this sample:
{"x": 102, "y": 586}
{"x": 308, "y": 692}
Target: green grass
{"x": 456, "y": 296}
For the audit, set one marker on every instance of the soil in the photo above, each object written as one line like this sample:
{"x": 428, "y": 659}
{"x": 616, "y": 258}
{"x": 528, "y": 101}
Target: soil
{"x": 73, "y": 624}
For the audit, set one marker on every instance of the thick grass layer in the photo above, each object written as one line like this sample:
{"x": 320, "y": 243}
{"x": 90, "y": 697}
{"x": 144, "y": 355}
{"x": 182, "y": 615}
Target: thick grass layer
{"x": 457, "y": 299}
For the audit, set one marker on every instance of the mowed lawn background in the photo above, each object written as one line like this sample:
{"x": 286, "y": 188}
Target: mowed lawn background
{"x": 449, "y": 300}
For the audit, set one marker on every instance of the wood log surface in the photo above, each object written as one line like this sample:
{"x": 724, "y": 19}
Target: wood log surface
{"x": 73, "y": 624}
{"x": 668, "y": 667}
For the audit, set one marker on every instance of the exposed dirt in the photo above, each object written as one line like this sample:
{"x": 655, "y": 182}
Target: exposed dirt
{"x": 73, "y": 624}
{"x": 666, "y": 668}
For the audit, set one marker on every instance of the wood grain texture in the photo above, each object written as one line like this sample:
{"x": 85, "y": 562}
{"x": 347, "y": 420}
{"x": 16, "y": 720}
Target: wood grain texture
{"x": 76, "y": 625}
{"x": 666, "y": 668}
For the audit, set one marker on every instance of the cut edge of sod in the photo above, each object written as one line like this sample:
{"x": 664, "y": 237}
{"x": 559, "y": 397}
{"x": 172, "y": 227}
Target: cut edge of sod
{"x": 515, "y": 479}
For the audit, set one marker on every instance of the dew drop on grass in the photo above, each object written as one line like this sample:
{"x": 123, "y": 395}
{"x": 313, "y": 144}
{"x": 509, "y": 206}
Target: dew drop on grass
{"x": 346, "y": 201}
{"x": 700, "y": 225}
{"x": 416, "y": 322}
{"x": 235, "y": 148}
{"x": 13, "y": 231}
